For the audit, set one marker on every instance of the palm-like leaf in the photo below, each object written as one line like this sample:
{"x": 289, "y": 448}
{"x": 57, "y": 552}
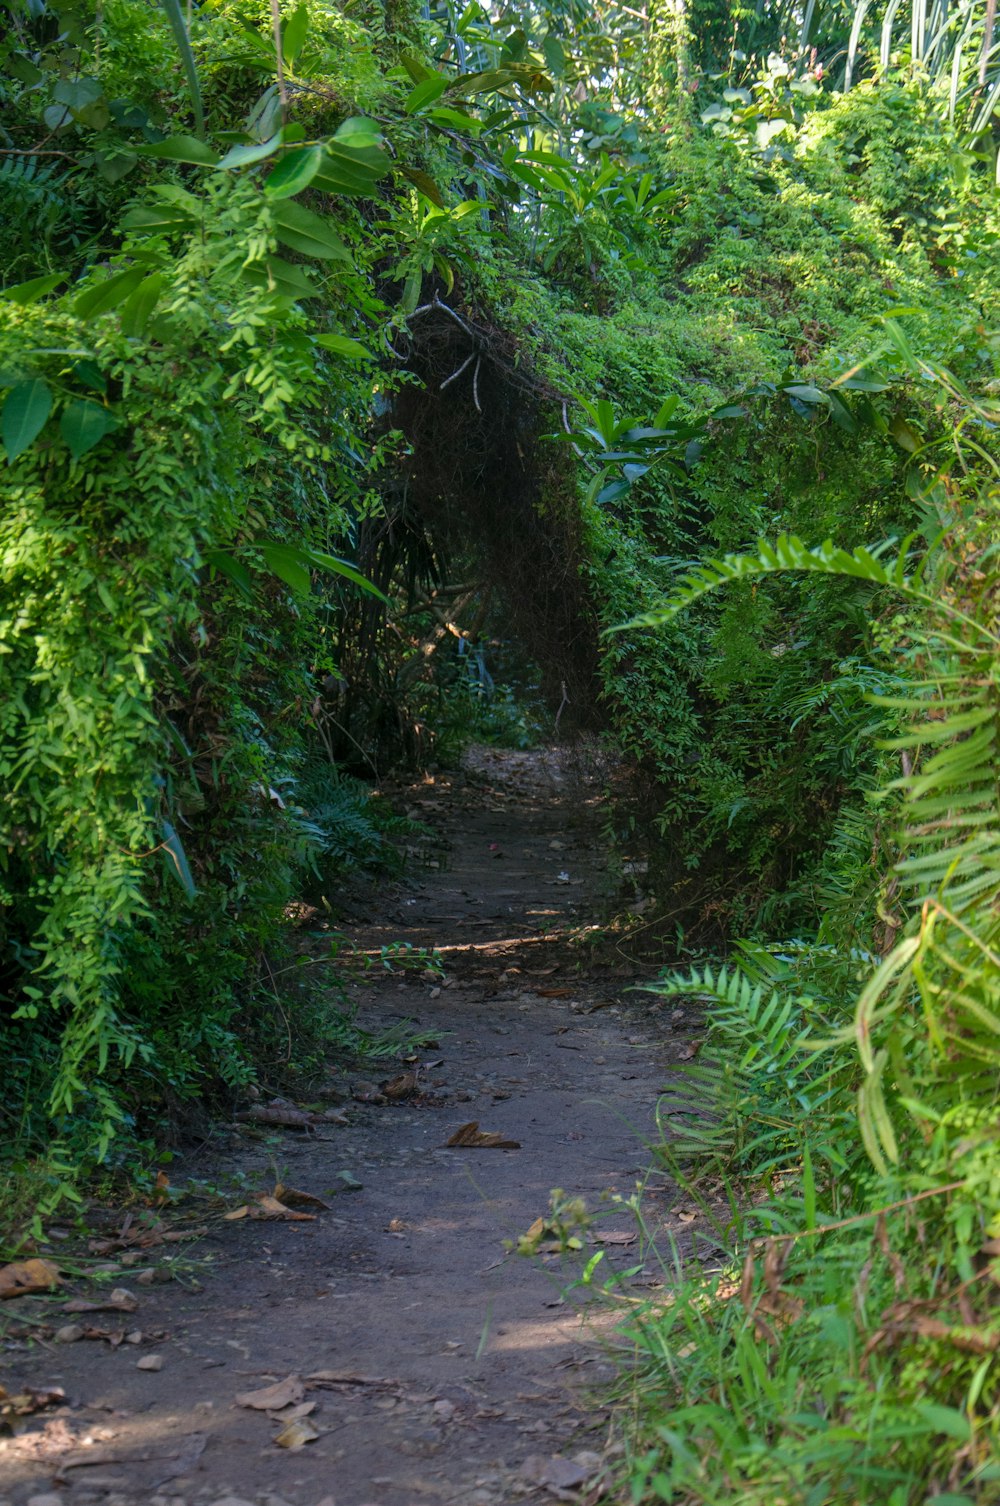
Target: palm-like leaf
{"x": 178, "y": 25}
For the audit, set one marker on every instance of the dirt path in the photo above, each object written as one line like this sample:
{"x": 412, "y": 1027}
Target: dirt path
{"x": 455, "y": 1373}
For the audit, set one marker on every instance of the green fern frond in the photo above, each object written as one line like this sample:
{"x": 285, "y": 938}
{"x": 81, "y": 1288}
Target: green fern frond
{"x": 789, "y": 553}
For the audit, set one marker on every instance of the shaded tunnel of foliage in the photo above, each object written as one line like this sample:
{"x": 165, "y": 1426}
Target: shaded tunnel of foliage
{"x": 354, "y": 358}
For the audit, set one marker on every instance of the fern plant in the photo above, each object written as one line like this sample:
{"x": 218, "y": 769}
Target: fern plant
{"x": 927, "y": 1022}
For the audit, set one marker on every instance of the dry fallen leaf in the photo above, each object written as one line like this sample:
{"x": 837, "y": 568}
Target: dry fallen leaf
{"x": 278, "y": 1112}
{"x": 270, "y": 1207}
{"x": 28, "y": 1401}
{"x": 397, "y": 1088}
{"x": 471, "y": 1137}
{"x": 296, "y": 1435}
{"x": 346, "y": 1378}
{"x": 121, "y": 1300}
{"x": 616, "y": 1237}
{"x": 285, "y": 1393}
{"x": 293, "y": 1414}
{"x": 266, "y": 1206}
{"x": 557, "y": 1473}
{"x": 23, "y": 1277}
{"x": 291, "y": 1197}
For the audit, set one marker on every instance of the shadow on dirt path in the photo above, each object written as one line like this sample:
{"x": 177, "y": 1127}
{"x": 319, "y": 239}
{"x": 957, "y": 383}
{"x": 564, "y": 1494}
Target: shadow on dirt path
{"x": 432, "y": 1364}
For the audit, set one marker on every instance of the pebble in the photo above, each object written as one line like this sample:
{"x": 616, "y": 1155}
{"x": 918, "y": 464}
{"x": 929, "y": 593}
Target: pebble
{"x": 49, "y": 1499}
{"x": 150, "y": 1362}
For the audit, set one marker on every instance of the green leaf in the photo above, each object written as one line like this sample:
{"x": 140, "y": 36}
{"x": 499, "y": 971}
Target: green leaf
{"x": 176, "y": 858}
{"x": 27, "y": 407}
{"x": 108, "y": 294}
{"x": 444, "y": 115}
{"x": 294, "y": 172}
{"x": 294, "y": 34}
{"x": 180, "y": 149}
{"x": 159, "y": 220}
{"x": 290, "y": 564}
{"x": 244, "y": 155}
{"x": 425, "y": 93}
{"x": 31, "y": 291}
{"x": 175, "y": 15}
{"x": 905, "y": 435}
{"x": 341, "y": 567}
{"x": 863, "y": 384}
{"x": 140, "y": 304}
{"x": 84, "y": 424}
{"x": 287, "y": 280}
{"x": 426, "y": 185}
{"x": 806, "y": 393}
{"x": 227, "y": 564}
{"x": 308, "y": 233}
{"x": 343, "y": 345}
{"x": 947, "y": 1420}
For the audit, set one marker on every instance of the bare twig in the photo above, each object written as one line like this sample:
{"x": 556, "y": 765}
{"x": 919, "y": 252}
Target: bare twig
{"x": 33, "y": 151}
{"x": 562, "y": 704}
{"x": 475, "y": 385}
{"x": 456, "y": 374}
{"x": 862, "y": 1218}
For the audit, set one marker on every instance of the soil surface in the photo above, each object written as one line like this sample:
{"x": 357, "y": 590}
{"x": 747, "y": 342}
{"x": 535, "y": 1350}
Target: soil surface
{"x": 424, "y": 1360}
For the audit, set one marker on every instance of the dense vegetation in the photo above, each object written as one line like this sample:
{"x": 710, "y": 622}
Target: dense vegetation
{"x": 326, "y": 329}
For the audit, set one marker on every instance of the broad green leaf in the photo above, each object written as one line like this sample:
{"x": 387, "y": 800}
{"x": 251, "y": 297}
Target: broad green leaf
{"x": 805, "y": 393}
{"x": 90, "y": 374}
{"x": 294, "y": 34}
{"x": 554, "y": 55}
{"x": 114, "y": 165}
{"x": 290, "y": 564}
{"x": 287, "y": 280}
{"x": 415, "y": 67}
{"x": 308, "y": 233}
{"x": 176, "y": 859}
{"x": 140, "y": 304}
{"x": 425, "y": 93}
{"x": 27, "y": 407}
{"x": 32, "y": 290}
{"x": 444, "y": 115}
{"x": 180, "y": 149}
{"x": 108, "y": 294}
{"x": 349, "y": 572}
{"x": 359, "y": 131}
{"x": 862, "y": 384}
{"x": 244, "y": 155}
{"x": 77, "y": 93}
{"x": 85, "y": 423}
{"x": 157, "y": 220}
{"x": 905, "y": 435}
{"x": 228, "y": 565}
{"x": 426, "y": 184}
{"x": 294, "y": 172}
{"x": 343, "y": 345}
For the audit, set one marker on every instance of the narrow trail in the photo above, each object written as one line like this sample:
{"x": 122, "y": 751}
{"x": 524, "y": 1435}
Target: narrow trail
{"x": 455, "y": 1372}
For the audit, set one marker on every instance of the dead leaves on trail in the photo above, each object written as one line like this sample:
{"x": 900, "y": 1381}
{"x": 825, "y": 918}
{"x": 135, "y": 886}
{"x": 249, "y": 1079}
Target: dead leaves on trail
{"x": 284, "y": 1203}
{"x": 27, "y": 1402}
{"x": 285, "y": 1403}
{"x": 471, "y": 1137}
{"x": 284, "y": 1393}
{"x": 23, "y": 1278}
{"x": 266, "y": 1206}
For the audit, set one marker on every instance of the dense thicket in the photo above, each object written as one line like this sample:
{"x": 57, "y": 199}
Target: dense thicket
{"x": 330, "y": 340}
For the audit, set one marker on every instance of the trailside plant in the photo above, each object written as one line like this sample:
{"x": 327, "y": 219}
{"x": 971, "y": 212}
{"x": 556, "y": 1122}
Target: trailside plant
{"x": 853, "y": 1357}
